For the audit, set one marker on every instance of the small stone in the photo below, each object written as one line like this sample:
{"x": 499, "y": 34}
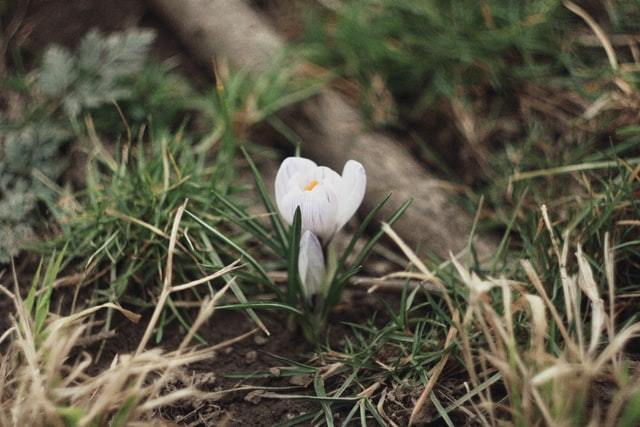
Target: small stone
{"x": 204, "y": 378}
{"x": 251, "y": 356}
{"x": 300, "y": 380}
{"x": 380, "y": 267}
{"x": 275, "y": 371}
{"x": 260, "y": 339}
{"x": 228, "y": 350}
{"x": 254, "y": 396}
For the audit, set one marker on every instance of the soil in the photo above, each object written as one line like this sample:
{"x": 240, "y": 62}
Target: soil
{"x": 257, "y": 353}
{"x": 24, "y": 267}
{"x": 251, "y": 355}
{"x": 232, "y": 366}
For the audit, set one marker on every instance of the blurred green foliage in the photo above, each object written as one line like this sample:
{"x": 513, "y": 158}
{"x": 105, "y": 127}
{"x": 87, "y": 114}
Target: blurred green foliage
{"x": 473, "y": 64}
{"x": 424, "y": 50}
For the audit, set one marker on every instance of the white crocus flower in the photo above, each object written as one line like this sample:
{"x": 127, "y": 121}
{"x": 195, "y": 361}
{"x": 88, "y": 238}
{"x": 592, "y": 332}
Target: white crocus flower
{"x": 311, "y": 265}
{"x": 326, "y": 200}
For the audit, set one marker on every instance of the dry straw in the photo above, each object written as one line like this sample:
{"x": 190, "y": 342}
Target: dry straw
{"x": 45, "y": 379}
{"x": 548, "y": 380}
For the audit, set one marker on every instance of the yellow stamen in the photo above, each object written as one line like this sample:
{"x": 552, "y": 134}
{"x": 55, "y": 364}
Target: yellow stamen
{"x": 310, "y": 186}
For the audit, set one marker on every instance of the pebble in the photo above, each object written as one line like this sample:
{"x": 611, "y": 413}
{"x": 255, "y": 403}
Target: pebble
{"x": 300, "y": 380}
{"x": 275, "y": 371}
{"x": 254, "y": 396}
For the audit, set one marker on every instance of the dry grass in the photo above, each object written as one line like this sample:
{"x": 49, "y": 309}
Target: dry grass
{"x": 44, "y": 381}
{"x": 558, "y": 366}
{"x": 45, "y": 378}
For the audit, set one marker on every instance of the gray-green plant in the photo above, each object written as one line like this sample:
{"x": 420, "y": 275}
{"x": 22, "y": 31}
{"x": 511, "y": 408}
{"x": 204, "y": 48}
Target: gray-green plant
{"x": 52, "y": 100}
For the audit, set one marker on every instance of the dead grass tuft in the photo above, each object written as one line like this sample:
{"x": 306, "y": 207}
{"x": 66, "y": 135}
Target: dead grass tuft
{"x": 45, "y": 379}
{"x": 558, "y": 365}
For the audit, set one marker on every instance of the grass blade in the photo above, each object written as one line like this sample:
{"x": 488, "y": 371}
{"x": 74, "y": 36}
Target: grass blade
{"x": 294, "y": 289}
{"x": 266, "y": 200}
{"x": 360, "y": 231}
{"x": 318, "y": 385}
{"x": 255, "y": 264}
{"x": 215, "y": 258}
{"x": 259, "y": 305}
{"x": 247, "y": 223}
{"x": 338, "y": 283}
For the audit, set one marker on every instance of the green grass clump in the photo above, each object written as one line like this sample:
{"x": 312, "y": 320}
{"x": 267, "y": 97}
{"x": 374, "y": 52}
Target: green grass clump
{"x": 117, "y": 228}
{"x": 128, "y": 206}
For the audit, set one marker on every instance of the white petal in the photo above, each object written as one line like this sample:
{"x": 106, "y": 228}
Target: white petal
{"x": 354, "y": 184}
{"x": 289, "y": 167}
{"x": 328, "y": 177}
{"x": 311, "y": 264}
{"x": 319, "y": 209}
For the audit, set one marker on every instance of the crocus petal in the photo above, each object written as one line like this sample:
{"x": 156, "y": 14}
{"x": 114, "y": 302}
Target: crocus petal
{"x": 354, "y": 184}
{"x": 319, "y": 210}
{"x": 289, "y": 167}
{"x": 328, "y": 176}
{"x": 311, "y": 264}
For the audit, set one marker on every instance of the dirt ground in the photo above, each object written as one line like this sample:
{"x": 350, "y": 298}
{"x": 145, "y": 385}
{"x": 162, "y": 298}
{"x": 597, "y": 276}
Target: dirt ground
{"x": 251, "y": 355}
{"x": 256, "y": 353}
{"x": 233, "y": 366}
